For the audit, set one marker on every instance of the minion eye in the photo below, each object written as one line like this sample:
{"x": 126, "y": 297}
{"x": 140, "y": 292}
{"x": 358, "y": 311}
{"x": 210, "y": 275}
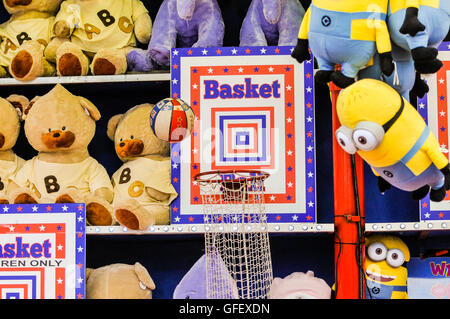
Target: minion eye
{"x": 343, "y": 136}
{"x": 365, "y": 140}
{"x": 377, "y": 252}
{"x": 395, "y": 258}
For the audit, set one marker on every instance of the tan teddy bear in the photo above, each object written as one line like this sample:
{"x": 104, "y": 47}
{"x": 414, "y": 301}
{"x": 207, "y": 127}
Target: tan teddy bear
{"x": 60, "y": 126}
{"x": 25, "y": 36}
{"x": 119, "y": 281}
{"x": 142, "y": 186}
{"x": 97, "y": 33}
{"x": 10, "y": 110}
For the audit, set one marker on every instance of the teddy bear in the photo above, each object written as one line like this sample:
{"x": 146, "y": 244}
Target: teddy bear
{"x": 179, "y": 24}
{"x": 119, "y": 281}
{"x": 347, "y": 33}
{"x": 60, "y": 126}
{"x": 11, "y": 110}
{"x": 299, "y": 285}
{"x": 24, "y": 38}
{"x": 95, "y": 35}
{"x": 142, "y": 185}
{"x": 271, "y": 22}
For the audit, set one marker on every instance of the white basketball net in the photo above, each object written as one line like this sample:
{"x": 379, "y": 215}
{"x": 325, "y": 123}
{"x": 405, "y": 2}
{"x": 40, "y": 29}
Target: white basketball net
{"x": 236, "y": 231}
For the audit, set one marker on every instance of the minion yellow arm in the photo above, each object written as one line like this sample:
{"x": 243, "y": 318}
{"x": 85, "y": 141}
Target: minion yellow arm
{"x": 432, "y": 148}
{"x": 399, "y": 295}
{"x": 374, "y": 172}
{"x": 383, "y": 39}
{"x": 412, "y": 3}
{"x": 304, "y": 27}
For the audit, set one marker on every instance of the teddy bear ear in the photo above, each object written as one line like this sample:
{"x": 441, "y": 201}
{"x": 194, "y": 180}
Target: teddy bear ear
{"x": 19, "y": 102}
{"x": 88, "y": 272}
{"x": 28, "y": 107}
{"x": 144, "y": 276}
{"x": 112, "y": 126}
{"x": 90, "y": 108}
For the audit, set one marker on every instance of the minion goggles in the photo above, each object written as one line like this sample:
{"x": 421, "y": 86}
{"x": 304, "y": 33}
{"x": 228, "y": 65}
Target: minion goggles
{"x": 366, "y": 135}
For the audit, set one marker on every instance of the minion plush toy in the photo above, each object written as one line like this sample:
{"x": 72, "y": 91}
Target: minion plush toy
{"x": 392, "y": 137}
{"x": 345, "y": 32}
{"x": 419, "y": 27}
{"x": 384, "y": 267}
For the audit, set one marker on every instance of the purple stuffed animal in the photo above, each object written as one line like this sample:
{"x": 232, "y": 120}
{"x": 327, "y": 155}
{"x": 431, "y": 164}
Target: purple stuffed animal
{"x": 272, "y": 22}
{"x": 179, "y": 24}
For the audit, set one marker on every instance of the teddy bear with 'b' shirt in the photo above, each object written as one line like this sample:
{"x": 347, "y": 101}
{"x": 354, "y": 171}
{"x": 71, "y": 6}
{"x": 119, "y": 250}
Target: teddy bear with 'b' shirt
{"x": 60, "y": 126}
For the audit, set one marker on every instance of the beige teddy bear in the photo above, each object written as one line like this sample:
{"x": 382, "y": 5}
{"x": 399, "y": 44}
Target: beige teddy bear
{"x": 97, "y": 34}
{"x": 119, "y": 281}
{"x": 25, "y": 36}
{"x": 142, "y": 186}
{"x": 10, "y": 110}
{"x": 60, "y": 126}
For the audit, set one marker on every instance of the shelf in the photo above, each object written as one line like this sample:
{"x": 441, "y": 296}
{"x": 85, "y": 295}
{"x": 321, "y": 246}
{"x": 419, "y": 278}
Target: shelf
{"x": 155, "y": 76}
{"x": 200, "y": 229}
{"x": 403, "y": 227}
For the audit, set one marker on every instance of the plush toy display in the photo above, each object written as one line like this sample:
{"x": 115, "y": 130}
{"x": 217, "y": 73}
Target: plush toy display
{"x": 10, "y": 163}
{"x": 348, "y": 33}
{"x": 25, "y": 36}
{"x": 60, "y": 126}
{"x": 179, "y": 24}
{"x": 414, "y": 45}
{"x": 272, "y": 22}
{"x": 299, "y": 285}
{"x": 384, "y": 267}
{"x": 119, "y": 281}
{"x": 97, "y": 34}
{"x": 193, "y": 284}
{"x": 392, "y": 137}
{"x": 419, "y": 27}
{"x": 142, "y": 186}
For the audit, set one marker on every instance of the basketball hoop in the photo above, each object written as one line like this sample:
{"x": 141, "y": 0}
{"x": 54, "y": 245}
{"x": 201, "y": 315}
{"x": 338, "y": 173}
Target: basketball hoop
{"x": 236, "y": 229}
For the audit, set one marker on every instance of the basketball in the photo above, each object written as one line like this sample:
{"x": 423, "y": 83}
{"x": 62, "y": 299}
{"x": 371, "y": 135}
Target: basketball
{"x": 172, "y": 120}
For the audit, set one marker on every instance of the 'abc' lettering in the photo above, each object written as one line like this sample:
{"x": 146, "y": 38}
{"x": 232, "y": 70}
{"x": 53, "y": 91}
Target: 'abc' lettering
{"x": 238, "y": 91}
{"x": 51, "y": 184}
{"x": 125, "y": 176}
{"x": 106, "y": 17}
{"x": 22, "y": 37}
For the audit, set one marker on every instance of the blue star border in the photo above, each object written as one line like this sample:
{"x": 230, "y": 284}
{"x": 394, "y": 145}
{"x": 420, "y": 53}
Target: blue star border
{"x": 309, "y": 216}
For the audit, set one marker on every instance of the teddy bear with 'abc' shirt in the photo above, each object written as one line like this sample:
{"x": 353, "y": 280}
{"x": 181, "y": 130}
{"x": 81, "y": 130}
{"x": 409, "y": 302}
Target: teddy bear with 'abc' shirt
{"x": 96, "y": 35}
{"x": 10, "y": 110}
{"x": 142, "y": 186}
{"x": 25, "y": 37}
{"x": 60, "y": 126}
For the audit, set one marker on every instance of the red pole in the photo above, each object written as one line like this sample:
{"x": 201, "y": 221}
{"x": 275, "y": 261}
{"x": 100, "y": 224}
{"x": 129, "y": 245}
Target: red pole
{"x": 347, "y": 270}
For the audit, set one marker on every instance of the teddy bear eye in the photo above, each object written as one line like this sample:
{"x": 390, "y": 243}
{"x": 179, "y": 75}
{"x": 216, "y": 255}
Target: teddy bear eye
{"x": 63, "y": 128}
{"x": 49, "y": 130}
{"x": 121, "y": 139}
{"x": 132, "y": 137}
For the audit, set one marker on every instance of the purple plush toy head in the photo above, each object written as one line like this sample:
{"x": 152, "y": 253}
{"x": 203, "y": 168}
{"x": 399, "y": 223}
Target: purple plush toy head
{"x": 179, "y": 24}
{"x": 272, "y": 22}
{"x": 185, "y": 9}
{"x": 272, "y": 10}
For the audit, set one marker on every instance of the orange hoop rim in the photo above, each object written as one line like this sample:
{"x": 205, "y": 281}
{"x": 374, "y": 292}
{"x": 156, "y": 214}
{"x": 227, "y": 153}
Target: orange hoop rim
{"x": 261, "y": 176}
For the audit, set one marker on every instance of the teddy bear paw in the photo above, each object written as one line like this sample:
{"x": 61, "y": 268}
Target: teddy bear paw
{"x": 64, "y": 199}
{"x": 25, "y": 198}
{"x": 109, "y": 62}
{"x": 69, "y": 65}
{"x": 98, "y": 215}
{"x": 4, "y": 202}
{"x": 127, "y": 219}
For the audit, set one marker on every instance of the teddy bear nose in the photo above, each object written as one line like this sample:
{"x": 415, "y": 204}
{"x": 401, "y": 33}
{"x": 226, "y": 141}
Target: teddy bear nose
{"x": 12, "y": 3}
{"x": 122, "y": 144}
{"x": 56, "y": 134}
